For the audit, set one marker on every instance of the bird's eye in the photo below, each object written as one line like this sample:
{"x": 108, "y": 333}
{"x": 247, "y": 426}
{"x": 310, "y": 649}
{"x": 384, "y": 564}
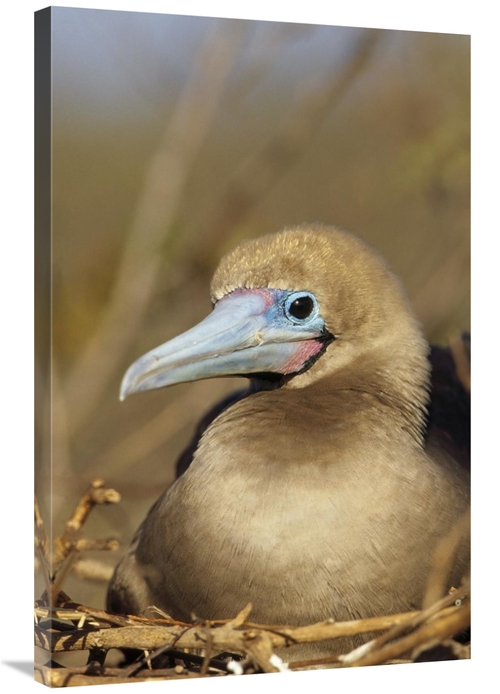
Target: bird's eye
{"x": 301, "y": 306}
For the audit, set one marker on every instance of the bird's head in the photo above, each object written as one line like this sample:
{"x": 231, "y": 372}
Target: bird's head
{"x": 287, "y": 307}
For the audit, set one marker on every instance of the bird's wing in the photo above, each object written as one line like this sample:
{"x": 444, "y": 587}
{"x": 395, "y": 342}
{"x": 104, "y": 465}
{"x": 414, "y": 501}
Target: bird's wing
{"x": 448, "y": 421}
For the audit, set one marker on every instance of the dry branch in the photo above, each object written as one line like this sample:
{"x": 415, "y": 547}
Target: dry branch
{"x": 67, "y": 548}
{"x": 40, "y": 534}
{"x": 256, "y": 643}
{"x": 166, "y": 647}
{"x": 75, "y": 677}
{"x": 430, "y": 634}
{"x": 96, "y": 494}
{"x": 224, "y": 637}
{"x": 70, "y": 543}
{"x": 377, "y": 645}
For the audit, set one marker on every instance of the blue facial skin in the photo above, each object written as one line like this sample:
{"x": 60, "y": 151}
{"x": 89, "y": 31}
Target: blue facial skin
{"x": 249, "y": 331}
{"x": 285, "y": 307}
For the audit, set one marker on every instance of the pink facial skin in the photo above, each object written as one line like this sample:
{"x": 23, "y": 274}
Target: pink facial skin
{"x": 306, "y": 350}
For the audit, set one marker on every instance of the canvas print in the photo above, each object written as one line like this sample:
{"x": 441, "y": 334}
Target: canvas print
{"x": 252, "y": 347}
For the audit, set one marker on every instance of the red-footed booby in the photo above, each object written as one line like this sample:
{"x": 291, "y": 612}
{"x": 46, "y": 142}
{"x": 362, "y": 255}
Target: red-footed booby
{"x": 322, "y": 490}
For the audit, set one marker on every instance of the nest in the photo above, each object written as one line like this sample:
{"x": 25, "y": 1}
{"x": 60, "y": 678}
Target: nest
{"x": 154, "y": 646}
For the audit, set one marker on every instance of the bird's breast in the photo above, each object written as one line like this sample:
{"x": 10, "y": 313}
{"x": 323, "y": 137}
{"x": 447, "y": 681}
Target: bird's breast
{"x": 301, "y": 542}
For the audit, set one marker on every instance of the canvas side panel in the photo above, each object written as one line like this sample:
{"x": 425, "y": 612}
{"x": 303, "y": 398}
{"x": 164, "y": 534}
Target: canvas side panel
{"x": 43, "y": 286}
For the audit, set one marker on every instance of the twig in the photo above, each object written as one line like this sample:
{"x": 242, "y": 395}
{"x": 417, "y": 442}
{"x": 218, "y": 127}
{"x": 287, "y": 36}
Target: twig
{"x": 260, "y": 647}
{"x": 257, "y": 645}
{"x": 131, "y": 669}
{"x": 213, "y": 663}
{"x": 442, "y": 557}
{"x": 225, "y": 638}
{"x": 41, "y": 546}
{"x": 96, "y": 494}
{"x": 208, "y": 653}
{"x": 40, "y": 534}
{"x": 431, "y": 633}
{"x": 77, "y": 676}
{"x": 398, "y": 629}
{"x": 85, "y": 545}
{"x": 67, "y": 543}
{"x": 240, "y": 618}
{"x": 76, "y": 612}
{"x": 63, "y": 569}
{"x": 69, "y": 546}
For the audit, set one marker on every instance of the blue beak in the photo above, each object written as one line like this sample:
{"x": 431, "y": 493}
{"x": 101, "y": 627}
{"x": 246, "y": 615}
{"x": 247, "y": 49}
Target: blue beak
{"x": 246, "y": 333}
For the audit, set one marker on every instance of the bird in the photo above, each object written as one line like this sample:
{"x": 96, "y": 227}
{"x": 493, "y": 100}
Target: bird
{"x": 320, "y": 490}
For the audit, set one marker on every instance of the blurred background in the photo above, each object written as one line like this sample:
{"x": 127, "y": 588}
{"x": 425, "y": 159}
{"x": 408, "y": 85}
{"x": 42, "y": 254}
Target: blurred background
{"x": 176, "y": 137}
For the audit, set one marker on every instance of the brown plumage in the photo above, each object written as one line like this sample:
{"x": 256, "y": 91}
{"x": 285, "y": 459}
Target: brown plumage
{"x": 322, "y": 490}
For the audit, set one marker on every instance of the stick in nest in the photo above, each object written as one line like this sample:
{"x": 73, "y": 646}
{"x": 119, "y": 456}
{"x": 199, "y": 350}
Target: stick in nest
{"x": 70, "y": 545}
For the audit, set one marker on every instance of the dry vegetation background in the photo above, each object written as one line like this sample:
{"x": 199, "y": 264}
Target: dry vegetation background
{"x": 176, "y": 137}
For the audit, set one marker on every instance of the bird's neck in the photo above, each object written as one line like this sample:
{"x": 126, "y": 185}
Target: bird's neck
{"x": 388, "y": 391}
{"x": 395, "y": 387}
